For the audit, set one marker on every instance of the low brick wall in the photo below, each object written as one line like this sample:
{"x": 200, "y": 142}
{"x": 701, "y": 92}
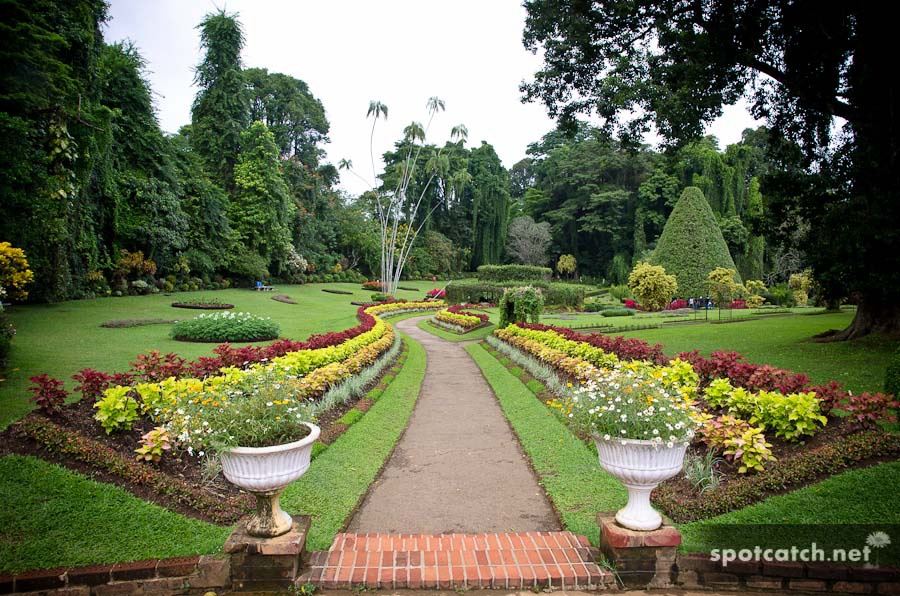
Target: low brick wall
{"x": 179, "y": 575}
{"x": 698, "y": 572}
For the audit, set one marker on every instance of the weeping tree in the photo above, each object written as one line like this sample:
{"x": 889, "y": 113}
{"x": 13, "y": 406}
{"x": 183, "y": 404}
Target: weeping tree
{"x": 396, "y": 212}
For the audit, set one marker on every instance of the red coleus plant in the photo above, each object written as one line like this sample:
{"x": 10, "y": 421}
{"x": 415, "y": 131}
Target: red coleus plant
{"x": 92, "y": 383}
{"x": 868, "y": 408}
{"x": 47, "y": 393}
{"x": 153, "y": 366}
{"x": 627, "y": 349}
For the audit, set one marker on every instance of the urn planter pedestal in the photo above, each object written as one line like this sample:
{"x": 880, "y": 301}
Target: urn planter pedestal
{"x": 264, "y": 472}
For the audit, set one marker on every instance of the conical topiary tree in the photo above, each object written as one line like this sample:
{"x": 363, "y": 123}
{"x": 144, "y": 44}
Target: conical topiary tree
{"x": 691, "y": 244}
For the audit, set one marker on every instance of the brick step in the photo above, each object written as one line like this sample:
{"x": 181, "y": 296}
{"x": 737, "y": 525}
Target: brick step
{"x": 506, "y": 560}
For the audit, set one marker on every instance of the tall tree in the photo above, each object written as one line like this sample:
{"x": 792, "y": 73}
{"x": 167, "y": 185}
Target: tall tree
{"x": 490, "y": 205}
{"x": 221, "y": 108}
{"x": 295, "y": 117}
{"x": 804, "y": 65}
{"x": 261, "y": 210}
{"x": 51, "y": 126}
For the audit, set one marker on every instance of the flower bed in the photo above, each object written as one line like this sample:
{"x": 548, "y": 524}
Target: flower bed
{"x": 161, "y": 424}
{"x": 458, "y": 320}
{"x": 754, "y": 414}
{"x": 226, "y": 326}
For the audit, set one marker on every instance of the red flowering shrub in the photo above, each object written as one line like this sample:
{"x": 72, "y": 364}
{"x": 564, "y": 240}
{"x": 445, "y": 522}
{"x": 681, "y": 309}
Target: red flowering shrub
{"x": 436, "y": 294}
{"x": 676, "y": 304}
{"x": 93, "y": 383}
{"x": 629, "y": 303}
{"x": 47, "y": 393}
{"x": 738, "y": 303}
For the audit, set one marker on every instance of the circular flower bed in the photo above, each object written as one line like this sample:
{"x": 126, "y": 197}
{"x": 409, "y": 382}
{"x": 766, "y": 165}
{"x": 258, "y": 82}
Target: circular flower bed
{"x": 226, "y": 326}
{"x": 204, "y": 304}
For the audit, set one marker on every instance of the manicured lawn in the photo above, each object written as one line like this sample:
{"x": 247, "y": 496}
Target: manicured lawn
{"x": 478, "y": 334}
{"x": 330, "y": 491}
{"x": 61, "y": 339}
{"x": 567, "y": 468}
{"x": 858, "y": 497}
{"x": 785, "y": 342}
{"x": 54, "y": 517}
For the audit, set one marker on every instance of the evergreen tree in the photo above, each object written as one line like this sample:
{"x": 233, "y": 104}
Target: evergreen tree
{"x": 221, "y": 109}
{"x": 691, "y": 244}
{"x": 490, "y": 205}
{"x": 262, "y": 209}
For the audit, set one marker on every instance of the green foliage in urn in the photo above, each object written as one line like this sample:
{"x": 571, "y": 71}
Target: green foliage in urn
{"x": 691, "y": 244}
{"x": 652, "y": 286}
{"x": 521, "y": 305}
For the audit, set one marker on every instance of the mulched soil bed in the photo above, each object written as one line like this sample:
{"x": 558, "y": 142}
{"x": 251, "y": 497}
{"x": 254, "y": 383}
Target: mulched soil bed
{"x": 836, "y": 429}
{"x": 341, "y": 292}
{"x": 128, "y": 323}
{"x": 79, "y": 417}
{"x": 208, "y": 306}
{"x": 284, "y": 298}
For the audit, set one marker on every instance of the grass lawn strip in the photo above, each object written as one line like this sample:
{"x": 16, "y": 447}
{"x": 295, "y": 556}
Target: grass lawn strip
{"x": 866, "y": 496}
{"x": 62, "y": 518}
{"x": 478, "y": 334}
{"x": 566, "y": 468}
{"x": 333, "y": 487}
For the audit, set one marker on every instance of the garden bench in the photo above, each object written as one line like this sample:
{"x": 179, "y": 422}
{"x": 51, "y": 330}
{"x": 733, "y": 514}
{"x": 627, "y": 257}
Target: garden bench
{"x": 263, "y": 288}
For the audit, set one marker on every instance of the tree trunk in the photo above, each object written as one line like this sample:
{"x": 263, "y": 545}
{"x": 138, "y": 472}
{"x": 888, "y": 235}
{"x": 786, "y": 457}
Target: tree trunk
{"x": 870, "y": 318}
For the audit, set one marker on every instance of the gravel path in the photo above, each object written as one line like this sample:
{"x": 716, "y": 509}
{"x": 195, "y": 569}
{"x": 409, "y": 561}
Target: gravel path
{"x": 458, "y": 467}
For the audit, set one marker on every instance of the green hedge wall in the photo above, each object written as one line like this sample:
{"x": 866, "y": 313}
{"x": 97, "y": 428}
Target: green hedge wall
{"x": 492, "y": 273}
{"x": 555, "y": 294}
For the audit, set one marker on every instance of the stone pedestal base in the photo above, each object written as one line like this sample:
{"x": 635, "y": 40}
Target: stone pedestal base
{"x": 266, "y": 564}
{"x": 640, "y": 559}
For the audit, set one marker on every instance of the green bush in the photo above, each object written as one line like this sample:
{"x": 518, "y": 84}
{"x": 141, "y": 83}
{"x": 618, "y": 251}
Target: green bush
{"x": 691, "y": 244}
{"x": 521, "y": 305}
{"x": 514, "y": 273}
{"x": 475, "y": 291}
{"x": 226, "y": 326}
{"x": 618, "y": 312}
{"x": 891, "y": 375}
{"x": 620, "y": 292}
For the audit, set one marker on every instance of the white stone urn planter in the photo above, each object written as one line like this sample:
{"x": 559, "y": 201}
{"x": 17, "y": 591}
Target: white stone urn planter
{"x": 640, "y": 466}
{"x": 265, "y": 471}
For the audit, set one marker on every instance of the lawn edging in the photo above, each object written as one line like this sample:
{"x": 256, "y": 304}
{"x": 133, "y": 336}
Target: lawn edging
{"x": 333, "y": 488}
{"x": 567, "y": 469}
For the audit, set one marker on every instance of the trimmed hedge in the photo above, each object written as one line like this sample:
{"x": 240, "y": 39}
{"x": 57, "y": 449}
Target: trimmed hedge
{"x": 691, "y": 244}
{"x": 475, "y": 291}
{"x": 514, "y": 273}
{"x": 892, "y": 376}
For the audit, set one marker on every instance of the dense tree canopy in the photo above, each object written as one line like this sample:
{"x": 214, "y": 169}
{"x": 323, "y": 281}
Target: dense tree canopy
{"x": 807, "y": 68}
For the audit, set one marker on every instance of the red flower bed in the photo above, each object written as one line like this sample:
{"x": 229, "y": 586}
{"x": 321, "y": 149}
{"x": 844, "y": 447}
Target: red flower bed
{"x": 154, "y": 367}
{"x": 377, "y": 286}
{"x": 436, "y": 294}
{"x": 676, "y": 304}
{"x": 629, "y": 349}
{"x": 457, "y": 309}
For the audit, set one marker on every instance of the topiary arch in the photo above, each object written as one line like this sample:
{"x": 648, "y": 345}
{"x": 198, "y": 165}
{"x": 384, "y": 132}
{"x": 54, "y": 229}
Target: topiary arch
{"x": 691, "y": 244}
{"x": 522, "y": 304}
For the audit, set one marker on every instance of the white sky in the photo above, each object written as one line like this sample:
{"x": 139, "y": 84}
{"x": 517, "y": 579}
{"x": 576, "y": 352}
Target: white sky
{"x": 467, "y": 52}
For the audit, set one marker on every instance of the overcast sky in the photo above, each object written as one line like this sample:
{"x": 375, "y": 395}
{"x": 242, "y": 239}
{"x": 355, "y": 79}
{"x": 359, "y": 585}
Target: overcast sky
{"x": 401, "y": 52}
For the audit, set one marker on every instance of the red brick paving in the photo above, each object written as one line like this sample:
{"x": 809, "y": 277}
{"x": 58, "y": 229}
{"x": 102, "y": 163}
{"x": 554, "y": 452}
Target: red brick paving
{"x": 508, "y": 561}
